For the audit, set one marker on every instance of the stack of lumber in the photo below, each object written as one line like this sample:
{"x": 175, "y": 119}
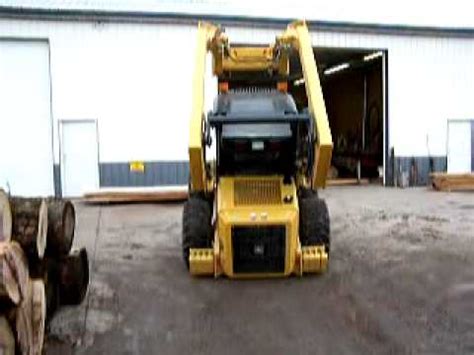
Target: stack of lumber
{"x": 452, "y": 182}
{"x": 38, "y": 270}
{"x": 141, "y": 194}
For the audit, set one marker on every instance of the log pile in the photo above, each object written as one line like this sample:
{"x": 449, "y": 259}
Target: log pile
{"x": 38, "y": 269}
{"x": 452, "y": 182}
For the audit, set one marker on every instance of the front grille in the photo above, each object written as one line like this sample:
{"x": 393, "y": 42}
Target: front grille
{"x": 258, "y": 249}
{"x": 256, "y": 191}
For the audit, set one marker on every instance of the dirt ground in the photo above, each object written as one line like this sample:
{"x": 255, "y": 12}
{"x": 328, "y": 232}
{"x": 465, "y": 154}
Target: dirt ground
{"x": 401, "y": 280}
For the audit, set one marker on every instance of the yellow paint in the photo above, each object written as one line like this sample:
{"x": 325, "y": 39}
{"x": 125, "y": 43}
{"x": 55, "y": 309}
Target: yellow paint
{"x": 206, "y": 33}
{"x": 315, "y": 258}
{"x": 230, "y": 214}
{"x": 201, "y": 261}
{"x": 218, "y": 259}
{"x": 248, "y": 59}
{"x": 323, "y": 149}
{"x": 137, "y": 167}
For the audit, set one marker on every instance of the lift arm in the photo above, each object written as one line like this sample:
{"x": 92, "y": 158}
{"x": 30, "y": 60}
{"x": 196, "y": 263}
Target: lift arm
{"x": 197, "y": 164}
{"x": 297, "y": 35}
{"x": 225, "y": 58}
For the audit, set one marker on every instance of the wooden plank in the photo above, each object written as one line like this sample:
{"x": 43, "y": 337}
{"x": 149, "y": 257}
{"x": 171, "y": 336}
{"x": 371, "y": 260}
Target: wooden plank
{"x": 452, "y": 182}
{"x": 346, "y": 182}
{"x": 137, "y": 195}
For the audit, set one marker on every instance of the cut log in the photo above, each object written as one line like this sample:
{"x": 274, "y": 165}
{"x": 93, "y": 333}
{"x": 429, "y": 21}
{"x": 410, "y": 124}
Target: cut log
{"x": 30, "y": 225}
{"x": 73, "y": 277}
{"x": 61, "y": 225}
{"x": 38, "y": 306}
{"x": 9, "y": 288}
{"x": 24, "y": 324}
{"x": 7, "y": 340}
{"x": 30, "y": 319}
{"x": 5, "y": 218}
{"x": 24, "y": 332}
{"x": 14, "y": 272}
{"x": 48, "y": 271}
{"x": 52, "y": 299}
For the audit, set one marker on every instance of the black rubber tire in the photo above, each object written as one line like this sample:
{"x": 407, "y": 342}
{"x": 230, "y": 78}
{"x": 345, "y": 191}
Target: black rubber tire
{"x": 197, "y": 227}
{"x": 314, "y": 221}
{"x": 307, "y": 193}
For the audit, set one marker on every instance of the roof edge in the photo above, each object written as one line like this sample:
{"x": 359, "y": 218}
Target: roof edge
{"x": 87, "y": 15}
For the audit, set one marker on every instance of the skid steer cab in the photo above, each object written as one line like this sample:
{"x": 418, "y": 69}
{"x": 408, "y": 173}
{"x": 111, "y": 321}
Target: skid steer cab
{"x": 256, "y": 211}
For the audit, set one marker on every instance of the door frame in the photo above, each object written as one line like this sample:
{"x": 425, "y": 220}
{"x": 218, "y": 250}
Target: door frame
{"x": 61, "y": 124}
{"x": 458, "y": 120}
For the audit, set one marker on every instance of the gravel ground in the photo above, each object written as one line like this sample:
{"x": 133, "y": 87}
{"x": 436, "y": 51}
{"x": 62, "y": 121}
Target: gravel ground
{"x": 401, "y": 280}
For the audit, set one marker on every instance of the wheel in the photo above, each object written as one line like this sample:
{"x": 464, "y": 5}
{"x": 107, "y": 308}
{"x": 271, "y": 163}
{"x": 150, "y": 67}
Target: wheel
{"x": 314, "y": 221}
{"x": 197, "y": 227}
{"x": 307, "y": 193}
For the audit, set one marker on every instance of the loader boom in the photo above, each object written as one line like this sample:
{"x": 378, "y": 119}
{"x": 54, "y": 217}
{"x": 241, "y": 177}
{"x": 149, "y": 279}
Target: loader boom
{"x": 297, "y": 34}
{"x": 198, "y": 175}
{"x": 226, "y": 58}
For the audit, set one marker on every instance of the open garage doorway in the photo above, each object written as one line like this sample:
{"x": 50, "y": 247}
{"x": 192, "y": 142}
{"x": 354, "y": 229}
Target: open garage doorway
{"x": 354, "y": 87}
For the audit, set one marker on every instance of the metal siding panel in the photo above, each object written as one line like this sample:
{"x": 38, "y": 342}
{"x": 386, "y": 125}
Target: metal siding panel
{"x": 88, "y": 40}
{"x": 159, "y": 173}
{"x": 472, "y": 145}
{"x": 422, "y": 165}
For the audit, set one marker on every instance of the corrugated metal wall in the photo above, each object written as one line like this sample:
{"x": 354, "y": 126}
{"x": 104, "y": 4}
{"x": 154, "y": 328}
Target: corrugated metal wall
{"x": 135, "y": 79}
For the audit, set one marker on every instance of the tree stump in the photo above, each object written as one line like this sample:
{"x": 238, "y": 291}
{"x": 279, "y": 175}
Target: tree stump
{"x": 73, "y": 277}
{"x": 61, "y": 225}
{"x": 30, "y": 225}
{"x": 7, "y": 340}
{"x": 5, "y": 218}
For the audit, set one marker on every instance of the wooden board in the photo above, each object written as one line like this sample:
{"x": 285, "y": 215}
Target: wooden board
{"x": 452, "y": 182}
{"x": 346, "y": 182}
{"x": 173, "y": 194}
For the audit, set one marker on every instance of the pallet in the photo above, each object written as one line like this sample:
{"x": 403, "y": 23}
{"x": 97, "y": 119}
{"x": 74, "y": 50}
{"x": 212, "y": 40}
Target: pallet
{"x": 452, "y": 182}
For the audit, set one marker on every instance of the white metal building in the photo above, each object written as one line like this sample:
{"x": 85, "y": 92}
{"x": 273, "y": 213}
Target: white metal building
{"x": 86, "y": 90}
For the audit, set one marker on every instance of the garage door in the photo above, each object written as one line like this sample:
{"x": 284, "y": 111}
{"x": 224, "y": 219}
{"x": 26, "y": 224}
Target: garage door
{"x": 26, "y": 151}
